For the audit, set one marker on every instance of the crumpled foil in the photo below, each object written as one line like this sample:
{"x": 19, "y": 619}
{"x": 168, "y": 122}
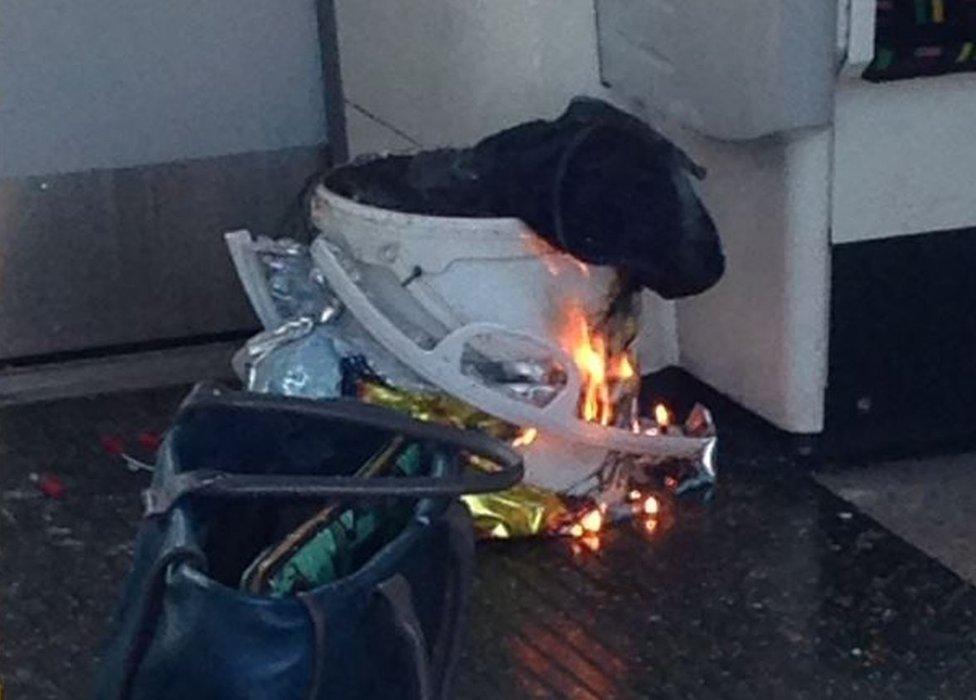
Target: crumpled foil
{"x": 526, "y": 510}
{"x": 297, "y": 288}
{"x": 522, "y": 511}
{"x": 698, "y": 475}
{"x": 297, "y": 359}
{"x": 435, "y": 408}
{"x": 623, "y": 472}
{"x": 285, "y": 360}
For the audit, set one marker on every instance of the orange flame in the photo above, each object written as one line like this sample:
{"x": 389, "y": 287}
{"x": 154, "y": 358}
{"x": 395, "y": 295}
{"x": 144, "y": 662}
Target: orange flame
{"x": 590, "y": 355}
{"x": 623, "y": 369}
{"x": 604, "y": 375}
{"x": 599, "y": 370}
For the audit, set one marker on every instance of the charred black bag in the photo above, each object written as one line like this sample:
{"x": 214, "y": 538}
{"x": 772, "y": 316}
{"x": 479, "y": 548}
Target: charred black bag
{"x": 230, "y": 466}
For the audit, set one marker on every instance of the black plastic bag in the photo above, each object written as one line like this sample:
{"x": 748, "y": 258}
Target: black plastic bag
{"x": 596, "y": 182}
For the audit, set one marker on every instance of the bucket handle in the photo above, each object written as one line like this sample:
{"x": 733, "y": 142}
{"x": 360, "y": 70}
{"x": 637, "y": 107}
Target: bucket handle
{"x": 441, "y": 367}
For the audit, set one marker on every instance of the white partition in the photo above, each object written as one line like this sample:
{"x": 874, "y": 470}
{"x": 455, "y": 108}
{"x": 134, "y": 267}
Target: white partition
{"x": 732, "y": 70}
{"x": 760, "y": 335}
{"x": 904, "y": 157}
{"x": 438, "y": 72}
{"x": 109, "y": 83}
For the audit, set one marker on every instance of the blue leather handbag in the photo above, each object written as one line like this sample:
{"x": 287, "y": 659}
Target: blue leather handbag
{"x": 232, "y": 463}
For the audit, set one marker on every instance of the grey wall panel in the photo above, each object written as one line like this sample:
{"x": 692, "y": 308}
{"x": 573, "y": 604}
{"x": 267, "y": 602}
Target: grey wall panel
{"x": 128, "y": 255}
{"x": 116, "y": 83}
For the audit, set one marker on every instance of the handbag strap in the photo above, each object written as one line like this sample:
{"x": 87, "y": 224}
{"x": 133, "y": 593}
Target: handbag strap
{"x": 431, "y": 665}
{"x": 147, "y": 613}
{"x": 447, "y": 645}
{"x": 160, "y": 498}
{"x": 316, "y": 617}
{"x": 207, "y": 396}
{"x": 397, "y": 594}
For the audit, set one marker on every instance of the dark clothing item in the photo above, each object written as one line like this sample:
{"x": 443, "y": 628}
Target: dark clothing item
{"x": 596, "y": 183}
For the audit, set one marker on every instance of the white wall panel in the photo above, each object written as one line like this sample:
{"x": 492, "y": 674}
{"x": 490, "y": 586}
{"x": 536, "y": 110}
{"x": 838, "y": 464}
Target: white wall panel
{"x": 115, "y": 83}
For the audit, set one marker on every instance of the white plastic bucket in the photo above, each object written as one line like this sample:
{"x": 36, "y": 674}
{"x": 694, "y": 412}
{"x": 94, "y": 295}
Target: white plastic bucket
{"x": 470, "y": 269}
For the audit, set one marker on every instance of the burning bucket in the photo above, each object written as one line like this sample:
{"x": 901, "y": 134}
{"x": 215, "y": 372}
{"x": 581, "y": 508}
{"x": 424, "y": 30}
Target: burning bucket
{"x": 488, "y": 312}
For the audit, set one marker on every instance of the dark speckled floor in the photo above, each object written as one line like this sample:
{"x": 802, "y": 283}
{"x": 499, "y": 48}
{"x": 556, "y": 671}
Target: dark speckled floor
{"x": 778, "y": 589}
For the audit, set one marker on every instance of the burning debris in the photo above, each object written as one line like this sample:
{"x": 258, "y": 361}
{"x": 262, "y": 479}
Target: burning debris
{"x": 482, "y": 324}
{"x": 328, "y": 355}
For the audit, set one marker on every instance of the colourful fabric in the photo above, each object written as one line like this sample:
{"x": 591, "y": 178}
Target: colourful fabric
{"x": 923, "y": 37}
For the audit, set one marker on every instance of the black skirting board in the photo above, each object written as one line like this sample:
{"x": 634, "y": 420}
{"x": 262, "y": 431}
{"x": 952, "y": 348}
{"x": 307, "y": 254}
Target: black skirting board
{"x": 902, "y": 374}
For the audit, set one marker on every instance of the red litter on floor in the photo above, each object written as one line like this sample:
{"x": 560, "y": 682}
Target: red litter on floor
{"x": 149, "y": 440}
{"x": 51, "y": 486}
{"x": 112, "y": 444}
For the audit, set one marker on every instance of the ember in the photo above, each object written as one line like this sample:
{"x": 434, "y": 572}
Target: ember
{"x": 651, "y": 506}
{"x": 662, "y": 416}
{"x": 592, "y": 521}
{"x": 525, "y": 438}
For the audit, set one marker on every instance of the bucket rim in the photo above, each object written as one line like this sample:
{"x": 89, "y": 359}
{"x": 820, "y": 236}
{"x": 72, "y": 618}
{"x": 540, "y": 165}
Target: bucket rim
{"x": 468, "y": 224}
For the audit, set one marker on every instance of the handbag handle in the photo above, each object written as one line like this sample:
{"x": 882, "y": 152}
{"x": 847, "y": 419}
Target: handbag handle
{"x": 397, "y": 593}
{"x": 431, "y": 667}
{"x": 147, "y": 613}
{"x": 160, "y": 498}
{"x": 447, "y": 645}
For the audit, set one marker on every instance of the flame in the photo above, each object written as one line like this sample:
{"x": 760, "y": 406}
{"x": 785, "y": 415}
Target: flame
{"x": 590, "y": 355}
{"x": 599, "y": 370}
{"x": 651, "y": 506}
{"x": 541, "y": 248}
{"x": 608, "y": 379}
{"x": 623, "y": 369}
{"x": 592, "y": 521}
{"x": 585, "y": 543}
{"x": 662, "y": 415}
{"x": 526, "y": 437}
